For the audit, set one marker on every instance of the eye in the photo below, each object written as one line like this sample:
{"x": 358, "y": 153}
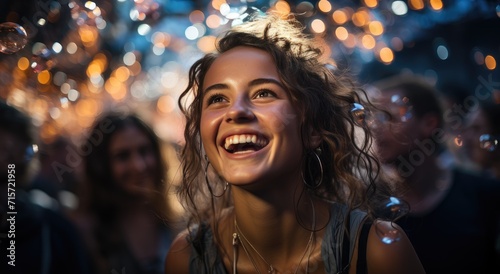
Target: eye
{"x": 215, "y": 98}
{"x": 265, "y": 93}
{"x": 122, "y": 156}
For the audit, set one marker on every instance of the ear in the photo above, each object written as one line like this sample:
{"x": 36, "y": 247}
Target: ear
{"x": 315, "y": 139}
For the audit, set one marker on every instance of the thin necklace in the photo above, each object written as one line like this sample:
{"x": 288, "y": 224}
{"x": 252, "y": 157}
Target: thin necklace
{"x": 270, "y": 270}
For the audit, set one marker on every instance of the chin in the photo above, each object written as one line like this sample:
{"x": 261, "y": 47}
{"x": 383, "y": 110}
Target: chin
{"x": 239, "y": 180}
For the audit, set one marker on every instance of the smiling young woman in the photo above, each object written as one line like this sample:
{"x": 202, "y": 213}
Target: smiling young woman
{"x": 276, "y": 178}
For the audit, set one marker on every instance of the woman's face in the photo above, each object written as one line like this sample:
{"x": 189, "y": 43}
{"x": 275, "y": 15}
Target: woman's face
{"x": 249, "y": 128}
{"x": 133, "y": 161}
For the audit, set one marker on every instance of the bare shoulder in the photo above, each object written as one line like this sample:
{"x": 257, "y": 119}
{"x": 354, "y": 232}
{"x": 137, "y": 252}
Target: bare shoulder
{"x": 177, "y": 260}
{"x": 396, "y": 257}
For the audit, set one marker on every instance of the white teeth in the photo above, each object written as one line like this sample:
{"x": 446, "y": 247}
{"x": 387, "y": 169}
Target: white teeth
{"x": 242, "y": 139}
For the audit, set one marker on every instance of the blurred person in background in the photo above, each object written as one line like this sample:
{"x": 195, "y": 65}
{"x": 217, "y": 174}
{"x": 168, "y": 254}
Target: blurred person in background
{"x": 128, "y": 225}
{"x": 454, "y": 215}
{"x": 44, "y": 240}
{"x": 57, "y": 183}
{"x": 481, "y": 139}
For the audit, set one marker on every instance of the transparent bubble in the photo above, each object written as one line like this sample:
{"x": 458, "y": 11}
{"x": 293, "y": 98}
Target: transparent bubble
{"x": 359, "y": 113}
{"x": 488, "y": 142}
{"x": 305, "y": 9}
{"x": 42, "y": 60}
{"x": 405, "y": 109}
{"x": 391, "y": 210}
{"x": 13, "y": 37}
{"x": 387, "y": 235}
{"x": 498, "y": 10}
{"x": 233, "y": 9}
{"x": 249, "y": 15}
{"x": 365, "y": 117}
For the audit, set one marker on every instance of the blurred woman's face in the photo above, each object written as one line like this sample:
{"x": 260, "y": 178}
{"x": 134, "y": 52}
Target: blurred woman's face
{"x": 133, "y": 161}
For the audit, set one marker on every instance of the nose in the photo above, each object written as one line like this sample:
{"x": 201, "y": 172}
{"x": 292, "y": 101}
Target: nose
{"x": 240, "y": 111}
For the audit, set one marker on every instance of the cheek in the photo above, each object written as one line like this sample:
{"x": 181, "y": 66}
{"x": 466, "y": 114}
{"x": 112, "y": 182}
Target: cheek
{"x": 208, "y": 134}
{"x": 209, "y": 125}
{"x": 281, "y": 119}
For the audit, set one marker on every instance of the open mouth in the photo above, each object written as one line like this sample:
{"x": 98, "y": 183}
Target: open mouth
{"x": 244, "y": 143}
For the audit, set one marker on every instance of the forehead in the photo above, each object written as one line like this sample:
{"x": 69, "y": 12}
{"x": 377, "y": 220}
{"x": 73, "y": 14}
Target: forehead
{"x": 241, "y": 62}
{"x": 127, "y": 136}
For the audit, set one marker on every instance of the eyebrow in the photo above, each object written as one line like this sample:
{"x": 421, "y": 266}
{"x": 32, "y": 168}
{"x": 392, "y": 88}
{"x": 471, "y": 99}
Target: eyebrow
{"x": 255, "y": 82}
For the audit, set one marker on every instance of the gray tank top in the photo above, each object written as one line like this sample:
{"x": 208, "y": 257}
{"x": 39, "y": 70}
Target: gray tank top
{"x": 208, "y": 261}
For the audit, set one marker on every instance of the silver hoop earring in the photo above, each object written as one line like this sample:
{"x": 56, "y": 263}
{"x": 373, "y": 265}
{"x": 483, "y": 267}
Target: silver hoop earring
{"x": 208, "y": 183}
{"x": 309, "y": 170}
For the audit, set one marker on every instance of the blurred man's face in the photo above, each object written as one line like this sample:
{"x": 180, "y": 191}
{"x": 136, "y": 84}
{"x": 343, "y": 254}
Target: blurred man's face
{"x": 482, "y": 154}
{"x": 396, "y": 130}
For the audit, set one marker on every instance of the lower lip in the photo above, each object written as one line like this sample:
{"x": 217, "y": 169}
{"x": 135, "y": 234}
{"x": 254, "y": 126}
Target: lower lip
{"x": 243, "y": 155}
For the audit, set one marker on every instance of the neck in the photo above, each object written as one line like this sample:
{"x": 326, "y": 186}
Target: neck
{"x": 269, "y": 221}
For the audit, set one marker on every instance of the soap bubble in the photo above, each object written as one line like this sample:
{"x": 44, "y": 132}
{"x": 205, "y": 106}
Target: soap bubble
{"x": 404, "y": 107}
{"x": 233, "y": 9}
{"x": 391, "y": 210}
{"x": 488, "y": 142}
{"x": 13, "y": 37}
{"x": 249, "y": 15}
{"x": 359, "y": 113}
